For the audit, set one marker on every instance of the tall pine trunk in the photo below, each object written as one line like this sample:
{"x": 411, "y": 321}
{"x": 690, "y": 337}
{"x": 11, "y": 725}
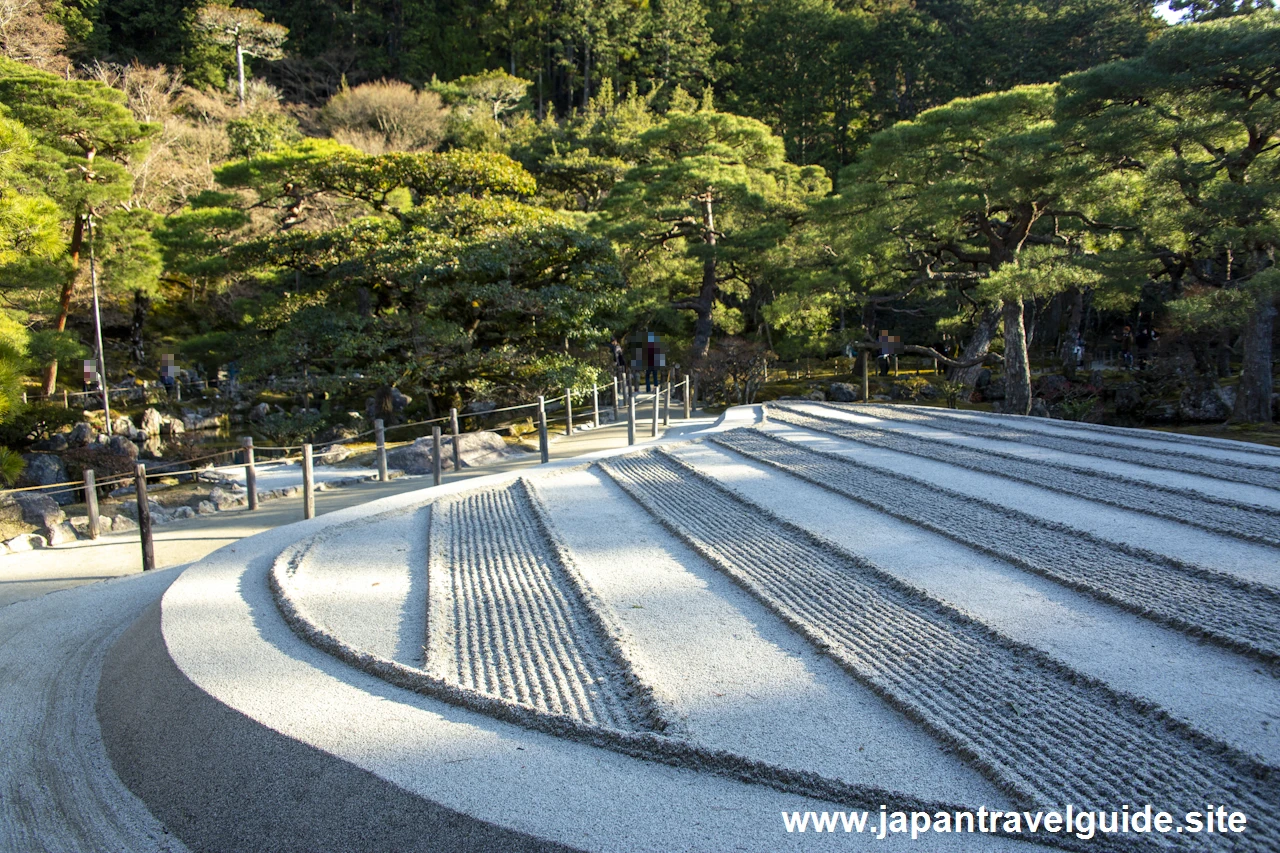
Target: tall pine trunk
{"x": 707, "y": 292}
{"x": 1017, "y": 367}
{"x": 978, "y": 346}
{"x": 1253, "y": 395}
{"x": 64, "y": 300}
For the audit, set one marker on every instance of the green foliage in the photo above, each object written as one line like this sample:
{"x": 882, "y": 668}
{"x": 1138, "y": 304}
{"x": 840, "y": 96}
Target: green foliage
{"x": 11, "y": 466}
{"x": 48, "y": 345}
{"x": 261, "y": 132}
{"x": 291, "y": 429}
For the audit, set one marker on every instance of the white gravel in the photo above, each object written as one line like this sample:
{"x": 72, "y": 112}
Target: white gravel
{"x": 1232, "y": 700}
{"x": 1246, "y": 560}
{"x": 58, "y": 791}
{"x": 734, "y": 674}
{"x": 366, "y": 582}
{"x": 1238, "y": 492}
{"x": 223, "y": 631}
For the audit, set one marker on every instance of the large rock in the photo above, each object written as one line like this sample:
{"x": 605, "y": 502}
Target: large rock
{"x": 474, "y": 449}
{"x": 1053, "y": 386}
{"x": 173, "y": 427}
{"x": 259, "y": 411}
{"x": 26, "y": 542}
{"x": 843, "y": 392}
{"x": 121, "y": 446}
{"x": 1039, "y": 409}
{"x": 333, "y": 454}
{"x": 40, "y": 511}
{"x": 122, "y": 426}
{"x": 11, "y": 517}
{"x": 222, "y": 499}
{"x": 82, "y": 434}
{"x": 200, "y": 420}
{"x": 45, "y": 469}
{"x": 399, "y": 401}
{"x": 478, "y": 448}
{"x": 995, "y": 390}
{"x": 479, "y": 407}
{"x": 122, "y": 523}
{"x": 130, "y": 509}
{"x": 1129, "y": 399}
{"x": 1205, "y": 402}
{"x": 152, "y": 422}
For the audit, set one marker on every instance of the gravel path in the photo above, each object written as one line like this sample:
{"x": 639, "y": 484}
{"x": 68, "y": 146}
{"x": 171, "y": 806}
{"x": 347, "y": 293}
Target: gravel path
{"x": 58, "y": 792}
{"x": 1236, "y": 471}
{"x": 1210, "y": 513}
{"x": 1232, "y": 613}
{"x": 514, "y": 625}
{"x": 1047, "y": 734}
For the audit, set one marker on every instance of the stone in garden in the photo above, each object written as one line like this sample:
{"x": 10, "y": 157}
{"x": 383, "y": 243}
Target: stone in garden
{"x": 38, "y": 510}
{"x": 983, "y": 379}
{"x": 184, "y": 512}
{"x": 81, "y": 434}
{"x": 333, "y": 454}
{"x": 152, "y": 421}
{"x": 220, "y": 499}
{"x": 416, "y": 458}
{"x": 26, "y": 542}
{"x": 844, "y": 392}
{"x": 121, "y": 523}
{"x": 1206, "y": 402}
{"x": 816, "y": 396}
{"x": 57, "y": 443}
{"x": 205, "y": 507}
{"x": 475, "y": 449}
{"x": 60, "y": 534}
{"x": 1129, "y": 399}
{"x": 1053, "y": 386}
{"x": 122, "y": 426}
{"x": 480, "y": 407}
{"x": 121, "y": 446}
{"x": 45, "y": 469}
{"x": 174, "y": 427}
{"x": 259, "y": 411}
{"x": 130, "y": 509}
{"x": 1039, "y": 409}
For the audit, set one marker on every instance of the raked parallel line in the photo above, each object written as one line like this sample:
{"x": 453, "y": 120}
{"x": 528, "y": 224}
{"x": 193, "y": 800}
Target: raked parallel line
{"x": 1257, "y": 524}
{"x": 1047, "y": 734}
{"x": 1132, "y": 433}
{"x": 519, "y": 630}
{"x": 1266, "y": 476}
{"x": 1236, "y": 614}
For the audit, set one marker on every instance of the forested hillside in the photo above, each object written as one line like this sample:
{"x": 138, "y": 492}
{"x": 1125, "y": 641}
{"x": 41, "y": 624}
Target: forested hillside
{"x": 464, "y": 201}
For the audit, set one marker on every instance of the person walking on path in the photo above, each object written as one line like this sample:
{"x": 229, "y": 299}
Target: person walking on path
{"x": 1126, "y": 341}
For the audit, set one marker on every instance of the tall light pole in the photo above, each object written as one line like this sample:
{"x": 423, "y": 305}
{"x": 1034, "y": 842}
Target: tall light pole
{"x": 97, "y": 330}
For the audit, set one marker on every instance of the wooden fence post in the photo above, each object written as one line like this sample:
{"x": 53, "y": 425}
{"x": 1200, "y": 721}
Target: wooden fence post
{"x": 380, "y": 436}
{"x": 686, "y": 397}
{"x": 595, "y": 405}
{"x": 250, "y": 472}
{"x": 308, "y": 484}
{"x": 568, "y": 411}
{"x": 144, "y": 518}
{"x": 437, "y": 464}
{"x": 653, "y": 427}
{"x": 66, "y": 402}
{"x": 615, "y": 397}
{"x": 866, "y": 381}
{"x": 91, "y": 503}
{"x": 544, "y": 447}
{"x": 457, "y": 451}
{"x": 631, "y": 420}
{"x": 666, "y": 407}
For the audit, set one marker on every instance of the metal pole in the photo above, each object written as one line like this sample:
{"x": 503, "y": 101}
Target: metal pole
{"x": 91, "y": 503}
{"x": 687, "y": 400}
{"x": 544, "y": 447}
{"x": 97, "y": 329}
{"x": 631, "y": 420}
{"x": 250, "y": 472}
{"x": 568, "y": 412}
{"x": 308, "y": 486}
{"x": 66, "y": 403}
{"x": 666, "y": 407}
{"x": 380, "y": 436}
{"x": 615, "y": 397}
{"x": 437, "y": 464}
{"x": 653, "y": 428}
{"x": 144, "y": 518}
{"x": 595, "y": 406}
{"x": 457, "y": 451}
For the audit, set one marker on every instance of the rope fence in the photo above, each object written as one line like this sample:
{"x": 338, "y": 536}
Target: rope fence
{"x": 620, "y": 395}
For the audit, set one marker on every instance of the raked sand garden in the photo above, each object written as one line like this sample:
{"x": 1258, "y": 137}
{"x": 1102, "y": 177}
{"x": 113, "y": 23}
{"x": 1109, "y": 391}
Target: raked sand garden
{"x": 808, "y": 608}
